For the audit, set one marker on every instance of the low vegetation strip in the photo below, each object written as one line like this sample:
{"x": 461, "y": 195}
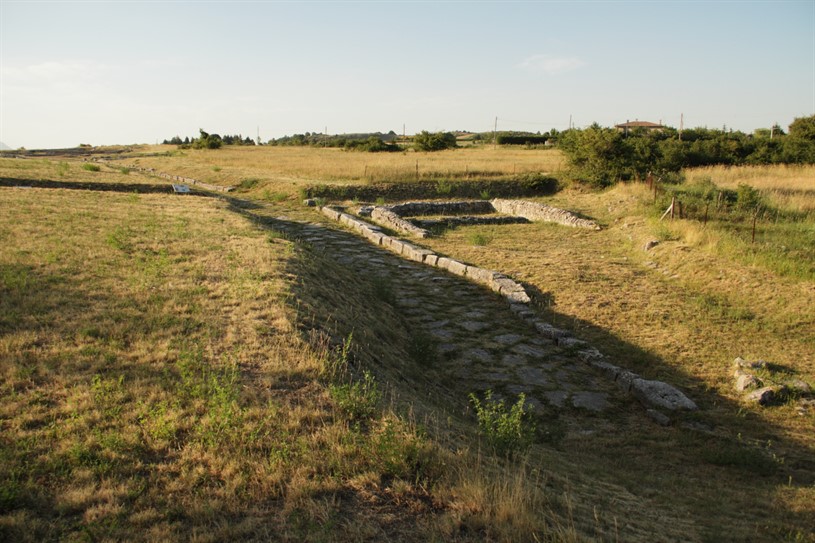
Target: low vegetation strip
{"x": 529, "y": 185}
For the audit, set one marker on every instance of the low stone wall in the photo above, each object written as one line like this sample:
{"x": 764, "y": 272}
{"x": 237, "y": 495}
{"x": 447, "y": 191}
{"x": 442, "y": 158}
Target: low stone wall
{"x": 392, "y": 220}
{"x": 393, "y": 216}
{"x": 466, "y": 221}
{"x": 413, "y": 209}
{"x": 495, "y": 281}
{"x": 542, "y": 212}
{"x": 656, "y": 396}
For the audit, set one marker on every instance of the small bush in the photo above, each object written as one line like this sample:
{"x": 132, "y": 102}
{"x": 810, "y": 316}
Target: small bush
{"x": 247, "y": 184}
{"x": 444, "y": 188}
{"x": 508, "y": 431}
{"x": 748, "y": 198}
{"x": 478, "y": 239}
{"x": 359, "y": 399}
{"x": 91, "y": 167}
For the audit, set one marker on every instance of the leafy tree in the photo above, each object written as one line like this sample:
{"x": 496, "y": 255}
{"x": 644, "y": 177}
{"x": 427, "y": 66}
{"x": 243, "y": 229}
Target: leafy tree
{"x": 803, "y": 128}
{"x": 436, "y": 141}
{"x": 207, "y": 141}
{"x": 597, "y": 155}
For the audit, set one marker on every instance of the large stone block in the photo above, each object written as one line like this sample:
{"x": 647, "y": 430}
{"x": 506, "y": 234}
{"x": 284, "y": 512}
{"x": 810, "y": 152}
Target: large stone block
{"x": 331, "y": 213}
{"x": 456, "y": 267}
{"x": 659, "y": 394}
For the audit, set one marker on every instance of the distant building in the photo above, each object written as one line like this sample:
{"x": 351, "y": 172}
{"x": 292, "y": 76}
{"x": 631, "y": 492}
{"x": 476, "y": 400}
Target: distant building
{"x": 638, "y": 125}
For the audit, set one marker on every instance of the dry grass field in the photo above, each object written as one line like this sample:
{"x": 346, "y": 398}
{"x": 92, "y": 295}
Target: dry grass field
{"x": 284, "y": 171}
{"x": 157, "y": 383}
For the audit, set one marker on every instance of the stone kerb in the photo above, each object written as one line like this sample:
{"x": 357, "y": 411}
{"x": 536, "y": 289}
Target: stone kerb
{"x": 385, "y": 216}
{"x": 495, "y": 281}
{"x": 652, "y": 394}
{"x": 542, "y": 212}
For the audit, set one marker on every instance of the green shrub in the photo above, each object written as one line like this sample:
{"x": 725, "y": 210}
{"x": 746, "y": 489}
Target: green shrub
{"x": 507, "y": 431}
{"x": 748, "y": 198}
{"x": 478, "y": 239}
{"x": 443, "y": 188}
{"x": 247, "y": 184}
{"x": 359, "y": 399}
{"x": 436, "y": 141}
{"x": 91, "y": 167}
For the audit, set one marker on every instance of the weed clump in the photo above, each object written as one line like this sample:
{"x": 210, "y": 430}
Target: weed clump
{"x": 507, "y": 430}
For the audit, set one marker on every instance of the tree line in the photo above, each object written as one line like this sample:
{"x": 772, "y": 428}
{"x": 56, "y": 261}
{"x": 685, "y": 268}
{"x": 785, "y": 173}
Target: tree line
{"x": 603, "y": 156}
{"x": 206, "y": 140}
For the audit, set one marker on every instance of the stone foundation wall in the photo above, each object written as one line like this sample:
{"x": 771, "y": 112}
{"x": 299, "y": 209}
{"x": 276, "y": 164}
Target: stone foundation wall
{"x": 392, "y": 220}
{"x": 542, "y": 212}
{"x": 393, "y": 216}
{"x": 493, "y": 280}
{"x": 412, "y": 209}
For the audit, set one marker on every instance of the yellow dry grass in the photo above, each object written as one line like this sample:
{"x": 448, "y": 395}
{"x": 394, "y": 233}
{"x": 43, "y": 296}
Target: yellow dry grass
{"x": 789, "y": 187}
{"x": 680, "y": 312}
{"x": 289, "y": 168}
{"x": 155, "y": 387}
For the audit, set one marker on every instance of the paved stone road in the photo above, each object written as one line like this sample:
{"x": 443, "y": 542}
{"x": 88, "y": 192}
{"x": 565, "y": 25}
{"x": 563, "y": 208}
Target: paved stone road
{"x": 481, "y": 342}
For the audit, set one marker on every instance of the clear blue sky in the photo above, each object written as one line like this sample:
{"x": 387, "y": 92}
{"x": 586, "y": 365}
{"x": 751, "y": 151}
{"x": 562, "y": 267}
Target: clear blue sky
{"x": 123, "y": 72}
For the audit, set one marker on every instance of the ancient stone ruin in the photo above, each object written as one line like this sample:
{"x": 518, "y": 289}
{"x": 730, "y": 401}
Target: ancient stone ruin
{"x": 397, "y": 217}
{"x": 657, "y": 396}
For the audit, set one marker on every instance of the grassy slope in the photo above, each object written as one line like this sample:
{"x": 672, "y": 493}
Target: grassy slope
{"x": 683, "y": 317}
{"x": 156, "y": 386}
{"x": 681, "y": 312}
{"x": 153, "y": 386}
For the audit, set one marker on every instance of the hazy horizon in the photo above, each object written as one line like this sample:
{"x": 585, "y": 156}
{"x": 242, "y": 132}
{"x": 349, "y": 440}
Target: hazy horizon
{"x": 139, "y": 72}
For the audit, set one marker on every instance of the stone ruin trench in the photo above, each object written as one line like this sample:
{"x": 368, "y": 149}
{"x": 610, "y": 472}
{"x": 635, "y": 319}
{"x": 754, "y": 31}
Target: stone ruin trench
{"x": 482, "y": 342}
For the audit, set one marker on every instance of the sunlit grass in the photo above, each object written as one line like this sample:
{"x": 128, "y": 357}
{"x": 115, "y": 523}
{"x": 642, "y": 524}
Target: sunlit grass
{"x": 286, "y": 169}
{"x": 789, "y": 187}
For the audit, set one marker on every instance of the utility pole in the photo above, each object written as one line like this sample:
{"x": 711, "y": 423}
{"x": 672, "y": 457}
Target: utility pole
{"x": 495, "y": 134}
{"x": 681, "y": 124}
{"x": 570, "y": 122}
{"x": 258, "y": 140}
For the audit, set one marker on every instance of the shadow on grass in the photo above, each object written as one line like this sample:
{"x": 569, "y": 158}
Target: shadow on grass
{"x": 140, "y": 188}
{"x": 725, "y": 445}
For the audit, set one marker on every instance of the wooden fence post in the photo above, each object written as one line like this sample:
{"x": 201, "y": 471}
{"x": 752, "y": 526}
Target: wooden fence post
{"x": 753, "y": 239}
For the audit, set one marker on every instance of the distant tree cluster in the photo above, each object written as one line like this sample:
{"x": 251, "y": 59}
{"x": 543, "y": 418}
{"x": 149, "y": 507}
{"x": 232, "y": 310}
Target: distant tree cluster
{"x": 603, "y": 156}
{"x": 434, "y": 141}
{"x": 373, "y": 142}
{"x": 209, "y": 141}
